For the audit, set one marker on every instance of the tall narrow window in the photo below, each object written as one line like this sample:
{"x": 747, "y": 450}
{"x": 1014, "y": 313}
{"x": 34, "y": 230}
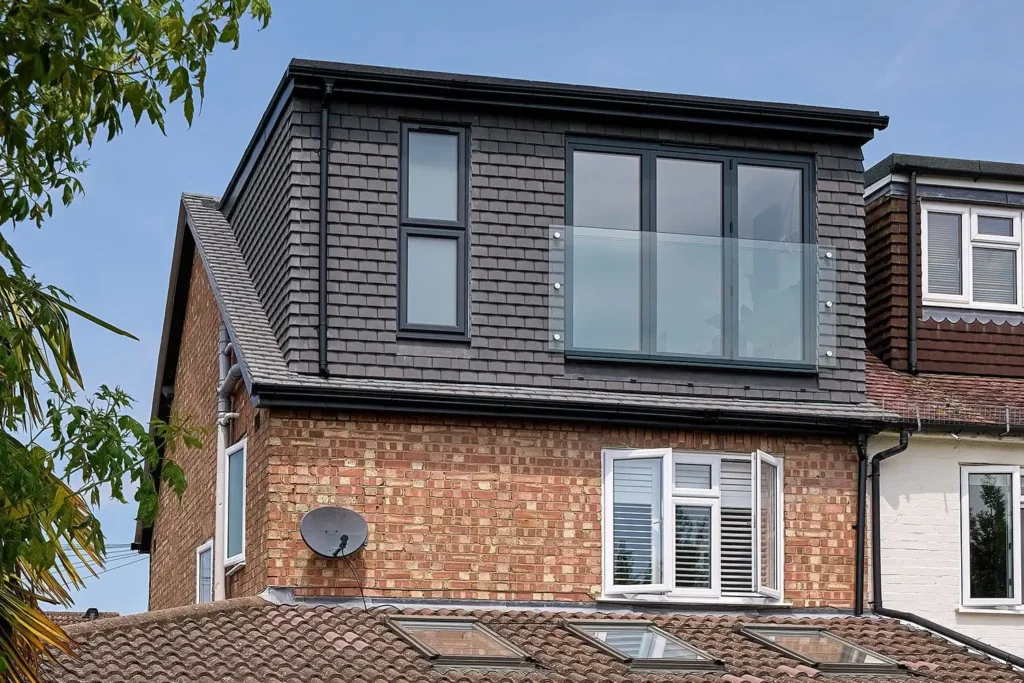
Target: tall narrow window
{"x": 234, "y": 542}
{"x": 432, "y": 234}
{"x": 204, "y": 572}
{"x": 692, "y": 525}
{"x": 991, "y": 546}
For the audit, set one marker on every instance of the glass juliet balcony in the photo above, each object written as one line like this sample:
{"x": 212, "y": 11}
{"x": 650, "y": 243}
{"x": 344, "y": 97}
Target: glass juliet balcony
{"x": 676, "y": 298}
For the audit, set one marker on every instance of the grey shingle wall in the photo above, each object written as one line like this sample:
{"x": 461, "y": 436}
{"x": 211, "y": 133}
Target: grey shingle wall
{"x": 517, "y": 190}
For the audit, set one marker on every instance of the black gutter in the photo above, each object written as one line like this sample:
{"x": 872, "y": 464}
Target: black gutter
{"x": 912, "y": 275}
{"x": 876, "y": 568}
{"x": 367, "y": 400}
{"x": 325, "y": 107}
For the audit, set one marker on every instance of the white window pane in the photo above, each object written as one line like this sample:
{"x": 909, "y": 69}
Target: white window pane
{"x": 606, "y": 289}
{"x": 236, "y": 502}
{"x": 995, "y": 275}
{"x": 991, "y": 535}
{"x": 693, "y": 546}
{"x": 769, "y": 525}
{"x": 636, "y": 521}
{"x": 205, "y": 570}
{"x": 770, "y": 204}
{"x": 944, "y": 257}
{"x": 433, "y": 191}
{"x": 998, "y": 226}
{"x": 693, "y": 476}
{"x": 432, "y": 272}
{"x": 606, "y": 190}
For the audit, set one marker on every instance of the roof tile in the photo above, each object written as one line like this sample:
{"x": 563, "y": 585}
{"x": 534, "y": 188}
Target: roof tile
{"x": 250, "y": 640}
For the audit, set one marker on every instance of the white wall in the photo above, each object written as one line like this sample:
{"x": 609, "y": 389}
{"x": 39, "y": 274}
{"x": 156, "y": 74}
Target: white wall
{"x": 920, "y": 506}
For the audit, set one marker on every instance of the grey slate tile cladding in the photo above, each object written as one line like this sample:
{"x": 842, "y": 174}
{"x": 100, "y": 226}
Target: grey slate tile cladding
{"x": 517, "y": 190}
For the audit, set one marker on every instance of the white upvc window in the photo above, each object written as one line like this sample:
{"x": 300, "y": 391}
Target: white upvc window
{"x": 692, "y": 525}
{"x": 204, "y": 572}
{"x": 972, "y": 257}
{"x": 234, "y": 499}
{"x": 990, "y": 520}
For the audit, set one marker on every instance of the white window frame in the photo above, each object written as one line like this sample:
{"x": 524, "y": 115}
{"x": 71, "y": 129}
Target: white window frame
{"x": 970, "y": 238}
{"x": 965, "y": 535}
{"x": 238, "y": 558}
{"x": 671, "y": 498}
{"x": 204, "y": 548}
{"x": 780, "y": 530}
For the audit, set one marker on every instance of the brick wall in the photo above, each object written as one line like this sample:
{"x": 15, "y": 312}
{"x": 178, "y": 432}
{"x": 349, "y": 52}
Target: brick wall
{"x": 971, "y": 348}
{"x": 183, "y": 525}
{"x": 517, "y": 191}
{"x": 511, "y": 511}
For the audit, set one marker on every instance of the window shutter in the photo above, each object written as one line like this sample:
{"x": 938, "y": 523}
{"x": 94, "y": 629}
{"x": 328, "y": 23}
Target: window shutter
{"x": 737, "y": 528}
{"x": 995, "y": 275}
{"x": 636, "y": 522}
{"x": 693, "y": 476}
{"x": 944, "y": 253}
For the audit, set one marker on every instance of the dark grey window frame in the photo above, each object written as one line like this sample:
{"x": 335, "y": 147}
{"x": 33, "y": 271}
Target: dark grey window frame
{"x": 521, "y": 660}
{"x": 893, "y": 667}
{"x": 709, "y": 664}
{"x": 731, "y": 160}
{"x": 440, "y": 229}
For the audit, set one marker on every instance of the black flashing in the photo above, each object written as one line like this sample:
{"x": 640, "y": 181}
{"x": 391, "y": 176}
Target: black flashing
{"x": 971, "y": 168}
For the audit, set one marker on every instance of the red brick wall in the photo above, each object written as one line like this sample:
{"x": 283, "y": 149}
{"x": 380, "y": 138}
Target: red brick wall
{"x": 511, "y": 511}
{"x": 962, "y": 348}
{"x": 183, "y": 525}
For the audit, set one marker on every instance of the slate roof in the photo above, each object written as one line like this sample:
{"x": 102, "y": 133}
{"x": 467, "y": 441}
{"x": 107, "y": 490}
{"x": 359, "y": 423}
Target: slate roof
{"x": 946, "y": 399}
{"x": 265, "y": 367}
{"x": 69, "y": 618}
{"x": 249, "y": 639}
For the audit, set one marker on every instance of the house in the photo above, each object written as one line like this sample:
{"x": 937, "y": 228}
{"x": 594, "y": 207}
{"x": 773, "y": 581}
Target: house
{"x": 951, "y": 366}
{"x": 590, "y": 364}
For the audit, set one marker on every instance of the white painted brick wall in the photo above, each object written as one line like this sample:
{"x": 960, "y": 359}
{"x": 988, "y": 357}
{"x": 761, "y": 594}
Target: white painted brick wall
{"x": 920, "y": 505}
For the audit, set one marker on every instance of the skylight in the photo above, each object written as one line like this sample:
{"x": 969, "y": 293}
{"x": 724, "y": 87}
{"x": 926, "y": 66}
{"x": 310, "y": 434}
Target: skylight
{"x": 642, "y": 644}
{"x": 458, "y": 642}
{"x": 822, "y": 650}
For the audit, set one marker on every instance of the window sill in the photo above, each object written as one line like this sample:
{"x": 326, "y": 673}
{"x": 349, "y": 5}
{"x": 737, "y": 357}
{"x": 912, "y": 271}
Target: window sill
{"x": 438, "y": 336}
{"x": 977, "y": 306}
{"x": 1004, "y": 611}
{"x": 233, "y": 566}
{"x": 733, "y": 602}
{"x": 691, "y": 362}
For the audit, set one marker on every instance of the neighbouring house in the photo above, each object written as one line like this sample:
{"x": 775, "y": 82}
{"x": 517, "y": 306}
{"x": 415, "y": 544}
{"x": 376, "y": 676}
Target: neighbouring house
{"x": 945, "y": 313}
{"x": 589, "y": 362}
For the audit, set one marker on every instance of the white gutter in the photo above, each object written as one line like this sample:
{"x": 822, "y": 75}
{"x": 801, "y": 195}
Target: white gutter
{"x": 228, "y": 378}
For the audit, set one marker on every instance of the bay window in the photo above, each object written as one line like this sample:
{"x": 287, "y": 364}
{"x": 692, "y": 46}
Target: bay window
{"x": 692, "y": 525}
{"x": 991, "y": 552}
{"x": 971, "y": 256}
{"x": 685, "y": 254}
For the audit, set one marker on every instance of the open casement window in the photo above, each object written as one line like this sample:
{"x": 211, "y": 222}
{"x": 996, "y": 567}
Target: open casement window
{"x": 692, "y": 525}
{"x": 971, "y": 256}
{"x": 769, "y": 532}
{"x": 991, "y": 550}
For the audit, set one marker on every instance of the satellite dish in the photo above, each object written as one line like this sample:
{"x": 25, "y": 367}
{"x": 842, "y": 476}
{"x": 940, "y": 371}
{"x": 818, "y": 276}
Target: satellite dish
{"x": 333, "y": 532}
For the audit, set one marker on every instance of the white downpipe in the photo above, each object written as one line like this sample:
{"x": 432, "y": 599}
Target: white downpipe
{"x": 227, "y": 378}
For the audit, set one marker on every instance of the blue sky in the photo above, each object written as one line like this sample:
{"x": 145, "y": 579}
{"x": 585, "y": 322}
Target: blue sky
{"x": 948, "y": 73}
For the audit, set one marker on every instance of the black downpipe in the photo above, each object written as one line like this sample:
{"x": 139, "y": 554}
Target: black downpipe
{"x": 912, "y": 279}
{"x": 862, "y": 487}
{"x": 322, "y": 253}
{"x": 876, "y": 568}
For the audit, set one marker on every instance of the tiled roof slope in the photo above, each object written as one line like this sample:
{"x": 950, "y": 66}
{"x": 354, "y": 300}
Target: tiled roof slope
{"x": 261, "y": 355}
{"x": 946, "y": 399}
{"x": 69, "y": 618}
{"x": 251, "y": 640}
